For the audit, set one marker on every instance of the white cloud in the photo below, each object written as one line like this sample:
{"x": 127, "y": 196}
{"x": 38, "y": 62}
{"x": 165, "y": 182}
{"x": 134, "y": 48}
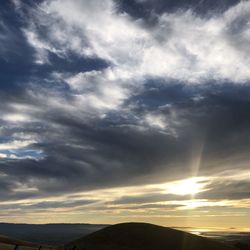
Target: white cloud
{"x": 42, "y": 47}
{"x": 3, "y": 156}
{"x": 16, "y": 144}
{"x": 20, "y": 148}
{"x": 16, "y": 118}
{"x": 157, "y": 121}
{"x": 97, "y": 90}
{"x": 17, "y": 114}
{"x": 181, "y": 46}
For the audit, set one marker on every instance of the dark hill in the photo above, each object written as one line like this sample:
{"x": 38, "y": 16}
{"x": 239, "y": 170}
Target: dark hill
{"x": 143, "y": 236}
{"x": 10, "y": 241}
{"x": 7, "y": 243}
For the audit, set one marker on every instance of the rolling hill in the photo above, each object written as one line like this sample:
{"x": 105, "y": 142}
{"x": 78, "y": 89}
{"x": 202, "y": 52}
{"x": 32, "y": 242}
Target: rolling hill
{"x": 7, "y": 243}
{"x": 143, "y": 236}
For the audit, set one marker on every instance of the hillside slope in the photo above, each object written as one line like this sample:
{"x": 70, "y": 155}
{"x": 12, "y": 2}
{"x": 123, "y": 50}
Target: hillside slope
{"x": 7, "y": 243}
{"x": 143, "y": 236}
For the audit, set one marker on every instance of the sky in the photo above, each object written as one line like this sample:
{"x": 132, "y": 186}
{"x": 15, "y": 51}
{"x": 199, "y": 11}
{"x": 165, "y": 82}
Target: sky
{"x": 125, "y": 110}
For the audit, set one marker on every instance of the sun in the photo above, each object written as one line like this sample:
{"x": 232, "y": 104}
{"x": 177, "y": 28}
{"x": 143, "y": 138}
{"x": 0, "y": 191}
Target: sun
{"x": 186, "y": 187}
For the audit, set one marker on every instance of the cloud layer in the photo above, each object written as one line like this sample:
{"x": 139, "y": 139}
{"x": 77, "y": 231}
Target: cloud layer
{"x": 108, "y": 98}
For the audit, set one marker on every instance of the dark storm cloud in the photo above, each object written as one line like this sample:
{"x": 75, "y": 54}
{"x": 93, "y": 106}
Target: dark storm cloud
{"x": 9, "y": 187}
{"x": 221, "y": 114}
{"x": 148, "y": 10}
{"x": 162, "y": 207}
{"x": 155, "y": 206}
{"x": 60, "y": 204}
{"x": 83, "y": 156}
{"x": 149, "y": 198}
{"x": 47, "y": 204}
{"x": 231, "y": 190}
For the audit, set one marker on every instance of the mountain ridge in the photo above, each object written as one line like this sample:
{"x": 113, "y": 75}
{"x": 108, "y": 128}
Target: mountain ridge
{"x": 144, "y": 236}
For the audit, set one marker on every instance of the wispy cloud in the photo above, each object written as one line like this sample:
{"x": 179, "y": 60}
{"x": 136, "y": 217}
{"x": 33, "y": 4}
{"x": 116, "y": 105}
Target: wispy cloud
{"x": 182, "y": 46}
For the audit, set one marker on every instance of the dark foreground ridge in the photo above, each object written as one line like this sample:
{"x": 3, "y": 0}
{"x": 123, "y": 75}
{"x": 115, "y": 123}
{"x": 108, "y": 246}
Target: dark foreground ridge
{"x": 7, "y": 243}
{"x": 143, "y": 236}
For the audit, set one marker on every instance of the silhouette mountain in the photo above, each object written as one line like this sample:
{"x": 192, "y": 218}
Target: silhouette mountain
{"x": 143, "y": 236}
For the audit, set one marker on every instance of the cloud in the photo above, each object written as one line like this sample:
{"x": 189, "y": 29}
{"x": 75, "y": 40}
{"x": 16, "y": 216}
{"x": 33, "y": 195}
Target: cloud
{"x": 113, "y": 101}
{"x": 15, "y": 145}
{"x": 228, "y": 186}
{"x": 194, "y": 55}
{"x": 47, "y": 205}
{"x": 145, "y": 8}
{"x": 95, "y": 145}
{"x": 97, "y": 90}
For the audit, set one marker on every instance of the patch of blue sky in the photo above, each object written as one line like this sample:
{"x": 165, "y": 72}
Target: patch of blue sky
{"x": 22, "y": 154}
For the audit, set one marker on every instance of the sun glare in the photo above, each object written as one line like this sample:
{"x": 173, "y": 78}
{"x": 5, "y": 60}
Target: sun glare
{"x": 186, "y": 187}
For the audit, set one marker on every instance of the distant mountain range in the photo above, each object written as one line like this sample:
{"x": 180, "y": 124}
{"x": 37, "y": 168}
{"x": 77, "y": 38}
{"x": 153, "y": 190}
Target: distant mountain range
{"x": 51, "y": 234}
{"x": 125, "y": 236}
